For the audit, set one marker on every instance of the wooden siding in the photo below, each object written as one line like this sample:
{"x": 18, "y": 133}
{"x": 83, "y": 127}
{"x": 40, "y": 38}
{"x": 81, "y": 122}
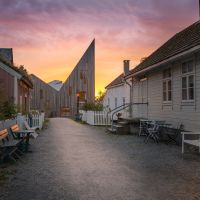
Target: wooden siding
{"x": 43, "y": 97}
{"x": 74, "y": 83}
{"x": 7, "y": 84}
{"x": 118, "y": 93}
{"x": 176, "y": 112}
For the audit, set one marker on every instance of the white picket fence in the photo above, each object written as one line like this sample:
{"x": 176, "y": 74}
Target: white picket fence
{"x": 37, "y": 120}
{"x": 96, "y": 118}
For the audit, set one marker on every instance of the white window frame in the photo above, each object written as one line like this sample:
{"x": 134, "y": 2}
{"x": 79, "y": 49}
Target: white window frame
{"x": 166, "y": 80}
{"x": 187, "y": 75}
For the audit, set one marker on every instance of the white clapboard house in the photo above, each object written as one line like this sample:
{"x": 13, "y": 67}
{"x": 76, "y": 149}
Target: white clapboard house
{"x": 167, "y": 83}
{"x": 118, "y": 92}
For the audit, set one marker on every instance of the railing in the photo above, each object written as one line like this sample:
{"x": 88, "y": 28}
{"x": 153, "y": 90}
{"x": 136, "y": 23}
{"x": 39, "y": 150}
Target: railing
{"x": 95, "y": 118}
{"x": 122, "y": 107}
{"x": 37, "y": 121}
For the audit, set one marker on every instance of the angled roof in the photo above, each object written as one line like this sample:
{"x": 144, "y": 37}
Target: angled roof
{"x": 115, "y": 82}
{"x": 180, "y": 42}
{"x": 25, "y": 76}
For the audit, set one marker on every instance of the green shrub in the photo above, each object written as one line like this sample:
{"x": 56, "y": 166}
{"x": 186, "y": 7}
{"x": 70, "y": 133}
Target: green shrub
{"x": 7, "y": 110}
{"x": 92, "y": 107}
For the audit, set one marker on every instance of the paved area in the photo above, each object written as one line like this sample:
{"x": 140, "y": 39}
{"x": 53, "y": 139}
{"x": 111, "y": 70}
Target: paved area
{"x": 73, "y": 161}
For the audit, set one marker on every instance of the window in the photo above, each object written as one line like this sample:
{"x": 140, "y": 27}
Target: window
{"x": 188, "y": 81}
{"x": 115, "y": 102}
{"x": 167, "y": 85}
{"x": 124, "y": 101}
{"x": 41, "y": 94}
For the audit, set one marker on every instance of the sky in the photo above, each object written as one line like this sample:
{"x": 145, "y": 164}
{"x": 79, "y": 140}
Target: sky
{"x": 49, "y": 37}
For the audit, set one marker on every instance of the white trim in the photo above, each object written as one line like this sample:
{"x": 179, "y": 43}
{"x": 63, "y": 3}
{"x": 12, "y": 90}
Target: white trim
{"x": 196, "y": 48}
{"x": 118, "y": 85}
{"x": 9, "y": 70}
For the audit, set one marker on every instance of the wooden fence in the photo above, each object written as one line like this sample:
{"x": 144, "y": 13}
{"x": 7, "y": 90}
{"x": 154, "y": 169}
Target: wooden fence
{"x": 37, "y": 120}
{"x": 96, "y": 118}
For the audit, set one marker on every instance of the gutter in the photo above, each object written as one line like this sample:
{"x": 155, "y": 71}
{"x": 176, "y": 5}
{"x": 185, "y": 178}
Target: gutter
{"x": 131, "y": 95}
{"x": 194, "y": 49}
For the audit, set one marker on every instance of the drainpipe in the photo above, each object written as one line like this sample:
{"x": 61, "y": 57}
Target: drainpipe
{"x": 131, "y": 95}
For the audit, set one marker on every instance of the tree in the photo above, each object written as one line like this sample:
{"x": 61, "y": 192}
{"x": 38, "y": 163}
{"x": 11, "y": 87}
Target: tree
{"x": 100, "y": 97}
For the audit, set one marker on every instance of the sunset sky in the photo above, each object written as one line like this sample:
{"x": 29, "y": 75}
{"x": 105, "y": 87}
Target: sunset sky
{"x": 50, "y": 36}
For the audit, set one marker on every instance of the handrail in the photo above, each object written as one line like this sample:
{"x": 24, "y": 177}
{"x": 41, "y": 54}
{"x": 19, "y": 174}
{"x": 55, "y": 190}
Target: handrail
{"x": 127, "y": 105}
{"x": 115, "y": 109}
{"x": 118, "y": 107}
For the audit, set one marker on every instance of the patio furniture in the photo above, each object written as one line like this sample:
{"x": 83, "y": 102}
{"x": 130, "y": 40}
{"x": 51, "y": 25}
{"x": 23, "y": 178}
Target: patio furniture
{"x": 8, "y": 146}
{"x": 23, "y": 135}
{"x": 33, "y": 129}
{"x": 194, "y": 142}
{"x": 153, "y": 132}
{"x": 144, "y": 123}
{"x": 171, "y": 133}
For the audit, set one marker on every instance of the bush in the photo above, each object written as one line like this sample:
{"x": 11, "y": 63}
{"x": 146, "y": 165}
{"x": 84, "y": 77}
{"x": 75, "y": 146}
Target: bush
{"x": 92, "y": 107}
{"x": 7, "y": 110}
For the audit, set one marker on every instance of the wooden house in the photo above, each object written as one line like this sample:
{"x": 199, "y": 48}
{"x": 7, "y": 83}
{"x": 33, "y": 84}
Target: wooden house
{"x": 15, "y": 83}
{"x": 169, "y": 81}
{"x": 44, "y": 98}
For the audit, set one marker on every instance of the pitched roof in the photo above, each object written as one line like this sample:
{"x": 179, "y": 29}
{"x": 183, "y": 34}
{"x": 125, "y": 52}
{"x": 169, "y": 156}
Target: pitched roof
{"x": 25, "y": 77}
{"x": 180, "y": 42}
{"x": 115, "y": 82}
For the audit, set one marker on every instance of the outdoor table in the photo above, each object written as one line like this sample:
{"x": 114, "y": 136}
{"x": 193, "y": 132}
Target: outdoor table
{"x": 144, "y": 124}
{"x": 25, "y": 134}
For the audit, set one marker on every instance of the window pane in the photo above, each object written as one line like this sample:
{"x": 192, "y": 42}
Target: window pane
{"x": 190, "y": 66}
{"x": 191, "y": 81}
{"x": 184, "y": 68}
{"x": 191, "y": 93}
{"x": 167, "y": 73}
{"x": 169, "y": 95}
{"x": 184, "y": 82}
{"x": 169, "y": 85}
{"x": 164, "y": 96}
{"x": 184, "y": 94}
{"x": 164, "y": 86}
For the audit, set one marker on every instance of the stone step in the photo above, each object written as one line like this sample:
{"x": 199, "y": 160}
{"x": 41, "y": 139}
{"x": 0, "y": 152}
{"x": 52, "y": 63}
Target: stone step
{"x": 112, "y": 130}
{"x": 123, "y": 122}
{"x": 118, "y": 126}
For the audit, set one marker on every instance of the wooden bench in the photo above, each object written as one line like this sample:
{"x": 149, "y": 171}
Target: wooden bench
{"x": 194, "y": 142}
{"x": 19, "y": 134}
{"x": 8, "y": 146}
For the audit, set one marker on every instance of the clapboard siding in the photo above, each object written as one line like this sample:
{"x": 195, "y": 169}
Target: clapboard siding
{"x": 177, "y": 112}
{"x": 49, "y": 100}
{"x": 118, "y": 92}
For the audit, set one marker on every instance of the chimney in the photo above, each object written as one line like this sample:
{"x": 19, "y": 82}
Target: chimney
{"x": 126, "y": 67}
{"x": 7, "y": 54}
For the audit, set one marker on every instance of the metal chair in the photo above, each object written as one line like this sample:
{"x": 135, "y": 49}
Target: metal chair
{"x": 153, "y": 132}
